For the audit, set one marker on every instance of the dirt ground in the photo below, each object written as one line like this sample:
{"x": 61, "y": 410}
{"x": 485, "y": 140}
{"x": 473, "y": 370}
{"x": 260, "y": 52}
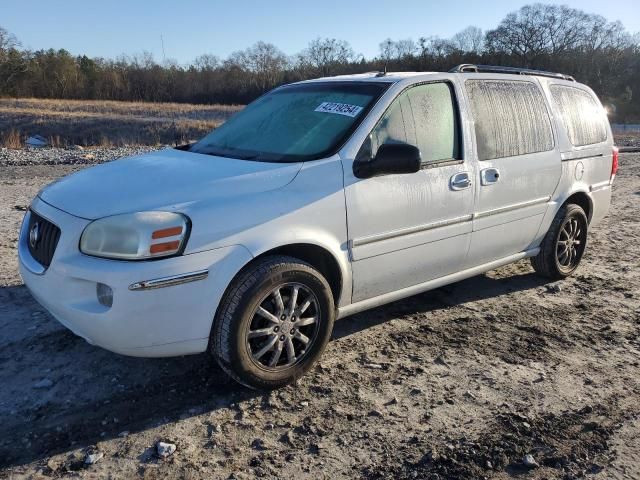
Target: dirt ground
{"x": 458, "y": 383}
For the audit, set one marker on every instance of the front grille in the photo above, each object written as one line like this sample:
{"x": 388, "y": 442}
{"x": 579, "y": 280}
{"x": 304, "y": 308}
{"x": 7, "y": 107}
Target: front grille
{"x": 42, "y": 239}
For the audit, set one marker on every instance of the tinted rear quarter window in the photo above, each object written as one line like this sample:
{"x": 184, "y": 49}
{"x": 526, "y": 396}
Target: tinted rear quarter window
{"x": 511, "y": 118}
{"x": 583, "y": 118}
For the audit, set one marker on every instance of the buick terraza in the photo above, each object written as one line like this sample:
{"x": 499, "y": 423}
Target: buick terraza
{"x": 319, "y": 200}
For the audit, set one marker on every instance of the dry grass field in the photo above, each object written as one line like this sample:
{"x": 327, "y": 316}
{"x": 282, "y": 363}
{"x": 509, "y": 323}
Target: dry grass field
{"x": 106, "y": 123}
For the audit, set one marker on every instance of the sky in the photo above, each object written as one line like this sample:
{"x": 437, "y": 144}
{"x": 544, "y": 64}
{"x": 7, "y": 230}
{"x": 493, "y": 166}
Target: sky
{"x": 192, "y": 27}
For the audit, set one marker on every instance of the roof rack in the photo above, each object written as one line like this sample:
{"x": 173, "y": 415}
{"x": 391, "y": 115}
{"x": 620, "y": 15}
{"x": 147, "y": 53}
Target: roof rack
{"x": 471, "y": 68}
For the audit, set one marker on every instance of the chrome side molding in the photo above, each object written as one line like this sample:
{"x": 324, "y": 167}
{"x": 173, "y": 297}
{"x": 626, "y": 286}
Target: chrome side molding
{"x": 169, "y": 281}
{"x": 356, "y": 242}
{"x": 514, "y": 206}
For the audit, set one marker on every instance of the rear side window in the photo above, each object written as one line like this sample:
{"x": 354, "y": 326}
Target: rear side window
{"x": 581, "y": 114}
{"x": 511, "y": 118}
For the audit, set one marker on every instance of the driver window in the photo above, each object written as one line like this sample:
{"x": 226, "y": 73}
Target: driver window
{"x": 392, "y": 128}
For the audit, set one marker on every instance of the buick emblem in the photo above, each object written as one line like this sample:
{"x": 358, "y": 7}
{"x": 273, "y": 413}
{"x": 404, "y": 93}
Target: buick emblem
{"x": 34, "y": 235}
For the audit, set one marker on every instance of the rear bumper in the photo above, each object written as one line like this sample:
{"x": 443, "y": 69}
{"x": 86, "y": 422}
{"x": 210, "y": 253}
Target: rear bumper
{"x": 601, "y": 202}
{"x": 172, "y": 320}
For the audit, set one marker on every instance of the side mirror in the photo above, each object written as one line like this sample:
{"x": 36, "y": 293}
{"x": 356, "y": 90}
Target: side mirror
{"x": 392, "y": 158}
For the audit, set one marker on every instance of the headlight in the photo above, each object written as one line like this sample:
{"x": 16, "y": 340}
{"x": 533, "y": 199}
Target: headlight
{"x": 136, "y": 236}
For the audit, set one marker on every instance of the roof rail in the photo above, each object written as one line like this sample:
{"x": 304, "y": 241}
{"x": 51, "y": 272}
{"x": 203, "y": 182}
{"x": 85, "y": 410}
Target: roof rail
{"x": 471, "y": 68}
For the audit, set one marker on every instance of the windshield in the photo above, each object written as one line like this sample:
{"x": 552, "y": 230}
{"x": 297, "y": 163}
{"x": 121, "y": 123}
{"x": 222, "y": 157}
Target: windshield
{"x": 293, "y": 123}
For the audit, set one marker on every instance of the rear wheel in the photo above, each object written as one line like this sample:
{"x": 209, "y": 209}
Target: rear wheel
{"x": 273, "y": 322}
{"x": 564, "y": 244}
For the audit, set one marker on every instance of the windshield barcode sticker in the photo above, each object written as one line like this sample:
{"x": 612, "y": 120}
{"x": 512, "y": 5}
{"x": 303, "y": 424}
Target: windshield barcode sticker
{"x": 339, "y": 108}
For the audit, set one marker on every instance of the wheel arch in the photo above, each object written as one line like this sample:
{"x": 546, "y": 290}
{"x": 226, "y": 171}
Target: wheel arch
{"x": 318, "y": 257}
{"x": 582, "y": 199}
{"x": 335, "y": 271}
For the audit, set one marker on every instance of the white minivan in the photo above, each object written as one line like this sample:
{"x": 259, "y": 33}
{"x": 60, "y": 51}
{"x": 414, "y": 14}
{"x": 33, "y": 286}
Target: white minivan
{"x": 319, "y": 200}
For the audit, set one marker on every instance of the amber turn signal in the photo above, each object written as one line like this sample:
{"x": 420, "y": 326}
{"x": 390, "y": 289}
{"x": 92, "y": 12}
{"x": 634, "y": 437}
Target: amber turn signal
{"x": 167, "y": 232}
{"x": 164, "y": 247}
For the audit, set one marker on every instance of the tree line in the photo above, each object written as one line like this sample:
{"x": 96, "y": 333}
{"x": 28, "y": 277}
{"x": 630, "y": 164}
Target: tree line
{"x": 594, "y": 50}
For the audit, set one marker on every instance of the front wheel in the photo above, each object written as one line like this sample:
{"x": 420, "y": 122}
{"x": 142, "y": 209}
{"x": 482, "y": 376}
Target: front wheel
{"x": 273, "y": 323}
{"x": 564, "y": 244}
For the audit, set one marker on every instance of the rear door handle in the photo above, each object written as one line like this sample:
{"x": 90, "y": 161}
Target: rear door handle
{"x": 489, "y": 176}
{"x": 460, "y": 181}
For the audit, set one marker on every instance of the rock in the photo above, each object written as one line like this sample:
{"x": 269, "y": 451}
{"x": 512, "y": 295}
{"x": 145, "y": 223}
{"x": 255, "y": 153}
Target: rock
{"x": 470, "y": 395}
{"x": 304, "y": 404}
{"x": 541, "y": 378}
{"x": 554, "y": 288}
{"x": 44, "y": 383}
{"x": 164, "y": 449}
{"x": 393, "y": 401}
{"x": 289, "y": 437}
{"x": 441, "y": 361}
{"x": 316, "y": 447}
{"x": 374, "y": 366}
{"x": 76, "y": 147}
{"x": 36, "y": 141}
{"x": 93, "y": 456}
{"x": 51, "y": 465}
{"x": 374, "y": 413}
{"x": 258, "y": 444}
{"x": 530, "y": 462}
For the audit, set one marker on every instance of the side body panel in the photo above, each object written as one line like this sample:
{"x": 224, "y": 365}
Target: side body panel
{"x": 513, "y": 193}
{"x": 586, "y": 169}
{"x": 308, "y": 210}
{"x": 405, "y": 229}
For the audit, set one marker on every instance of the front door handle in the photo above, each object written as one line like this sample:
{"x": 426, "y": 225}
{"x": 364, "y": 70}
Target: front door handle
{"x": 460, "y": 181}
{"x": 489, "y": 176}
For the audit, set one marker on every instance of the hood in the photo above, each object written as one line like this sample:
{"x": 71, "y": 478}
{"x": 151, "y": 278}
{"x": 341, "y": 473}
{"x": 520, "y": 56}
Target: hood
{"x": 167, "y": 179}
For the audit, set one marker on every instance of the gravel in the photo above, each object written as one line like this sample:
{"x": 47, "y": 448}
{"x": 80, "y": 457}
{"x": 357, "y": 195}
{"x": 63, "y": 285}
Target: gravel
{"x": 70, "y": 156}
{"x": 458, "y": 383}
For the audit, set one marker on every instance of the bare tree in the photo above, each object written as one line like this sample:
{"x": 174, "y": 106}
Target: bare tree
{"x": 7, "y": 40}
{"x": 398, "y": 49}
{"x": 436, "y": 47}
{"x": 469, "y": 40}
{"x": 405, "y": 48}
{"x": 386, "y": 49}
{"x": 541, "y": 30}
{"x": 264, "y": 61}
{"x": 13, "y": 64}
{"x": 324, "y": 54}
{"x": 521, "y": 34}
{"x": 206, "y": 62}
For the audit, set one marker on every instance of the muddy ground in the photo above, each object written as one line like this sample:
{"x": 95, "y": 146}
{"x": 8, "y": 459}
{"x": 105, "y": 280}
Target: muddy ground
{"x": 461, "y": 382}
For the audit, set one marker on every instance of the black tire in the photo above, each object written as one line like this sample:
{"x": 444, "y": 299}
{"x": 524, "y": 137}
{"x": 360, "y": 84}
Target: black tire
{"x": 548, "y": 262}
{"x": 230, "y": 342}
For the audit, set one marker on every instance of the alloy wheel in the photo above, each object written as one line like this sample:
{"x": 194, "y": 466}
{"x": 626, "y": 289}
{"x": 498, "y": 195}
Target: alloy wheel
{"x": 283, "y": 326}
{"x": 571, "y": 243}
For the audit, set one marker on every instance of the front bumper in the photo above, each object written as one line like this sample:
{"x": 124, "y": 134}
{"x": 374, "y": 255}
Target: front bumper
{"x": 174, "y": 320}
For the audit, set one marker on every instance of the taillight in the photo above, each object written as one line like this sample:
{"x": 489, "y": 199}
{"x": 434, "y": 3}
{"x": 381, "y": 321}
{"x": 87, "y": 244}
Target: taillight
{"x": 614, "y": 163}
